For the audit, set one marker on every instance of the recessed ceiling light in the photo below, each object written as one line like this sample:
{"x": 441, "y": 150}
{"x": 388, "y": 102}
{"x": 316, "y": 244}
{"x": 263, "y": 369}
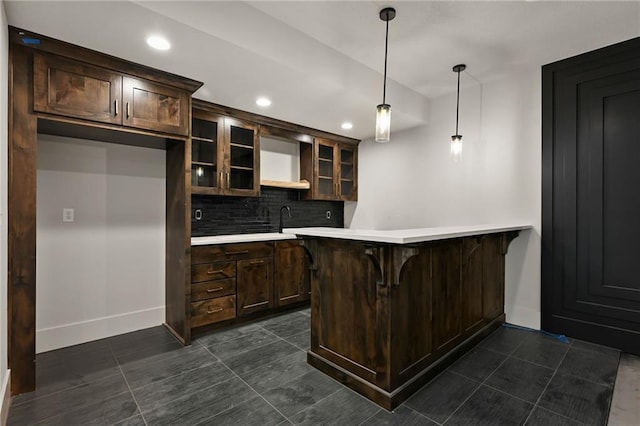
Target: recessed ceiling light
{"x": 347, "y": 126}
{"x": 263, "y": 102}
{"x": 158, "y": 42}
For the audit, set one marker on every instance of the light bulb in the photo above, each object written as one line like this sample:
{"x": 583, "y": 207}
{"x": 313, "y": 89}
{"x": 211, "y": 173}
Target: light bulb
{"x": 383, "y": 123}
{"x": 456, "y": 148}
{"x": 200, "y": 171}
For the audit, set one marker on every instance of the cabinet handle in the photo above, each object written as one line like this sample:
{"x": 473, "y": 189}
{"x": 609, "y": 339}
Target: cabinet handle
{"x": 213, "y": 290}
{"x": 217, "y": 271}
{"x": 128, "y": 112}
{"x": 256, "y": 262}
{"x": 256, "y": 304}
{"x": 233, "y": 253}
{"x": 116, "y": 107}
{"x": 213, "y": 311}
{"x": 228, "y": 180}
{"x": 220, "y": 181}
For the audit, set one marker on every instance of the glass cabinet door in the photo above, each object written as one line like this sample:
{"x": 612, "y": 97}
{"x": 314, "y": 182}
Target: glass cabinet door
{"x": 326, "y": 173}
{"x": 205, "y": 168}
{"x": 242, "y": 175}
{"x": 348, "y": 173}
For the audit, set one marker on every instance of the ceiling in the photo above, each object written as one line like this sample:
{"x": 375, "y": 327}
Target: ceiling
{"x": 321, "y": 62}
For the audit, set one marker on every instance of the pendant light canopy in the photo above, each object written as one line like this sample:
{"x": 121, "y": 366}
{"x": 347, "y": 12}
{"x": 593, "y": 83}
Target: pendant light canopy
{"x": 383, "y": 114}
{"x": 456, "y": 140}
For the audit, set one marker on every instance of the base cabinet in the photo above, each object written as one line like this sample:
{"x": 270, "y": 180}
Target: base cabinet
{"x": 292, "y": 282}
{"x": 255, "y": 285}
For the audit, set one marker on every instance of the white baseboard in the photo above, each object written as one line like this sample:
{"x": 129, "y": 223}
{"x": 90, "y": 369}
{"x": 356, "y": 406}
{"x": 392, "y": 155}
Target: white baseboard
{"x": 524, "y": 317}
{"x": 6, "y": 398}
{"x": 48, "y": 339}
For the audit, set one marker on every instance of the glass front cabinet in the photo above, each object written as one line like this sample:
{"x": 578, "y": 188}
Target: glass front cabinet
{"x": 225, "y": 155}
{"x": 334, "y": 172}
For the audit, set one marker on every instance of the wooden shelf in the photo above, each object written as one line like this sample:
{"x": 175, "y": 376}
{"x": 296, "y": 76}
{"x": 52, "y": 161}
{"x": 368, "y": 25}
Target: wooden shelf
{"x": 326, "y": 159}
{"x": 242, "y": 168}
{"x": 196, "y": 138}
{"x": 237, "y": 145}
{"x": 326, "y": 177}
{"x": 303, "y": 184}
{"x": 203, "y": 163}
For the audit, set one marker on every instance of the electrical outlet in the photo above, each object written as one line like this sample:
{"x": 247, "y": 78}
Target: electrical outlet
{"x": 328, "y": 214}
{"x": 67, "y": 215}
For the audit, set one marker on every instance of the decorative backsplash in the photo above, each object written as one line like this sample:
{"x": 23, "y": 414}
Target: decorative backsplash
{"x": 245, "y": 215}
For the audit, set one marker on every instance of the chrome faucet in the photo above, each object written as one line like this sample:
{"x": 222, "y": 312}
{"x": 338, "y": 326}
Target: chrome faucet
{"x": 288, "y": 210}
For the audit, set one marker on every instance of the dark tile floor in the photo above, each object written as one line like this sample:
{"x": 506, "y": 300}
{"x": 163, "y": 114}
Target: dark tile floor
{"x": 257, "y": 375}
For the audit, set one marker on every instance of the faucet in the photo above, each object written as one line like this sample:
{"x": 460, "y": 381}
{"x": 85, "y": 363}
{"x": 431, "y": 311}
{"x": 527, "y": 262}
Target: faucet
{"x": 282, "y": 209}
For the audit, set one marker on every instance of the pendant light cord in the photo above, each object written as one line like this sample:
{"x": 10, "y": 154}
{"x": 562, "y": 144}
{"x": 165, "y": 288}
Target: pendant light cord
{"x": 384, "y": 83}
{"x": 458, "y": 103}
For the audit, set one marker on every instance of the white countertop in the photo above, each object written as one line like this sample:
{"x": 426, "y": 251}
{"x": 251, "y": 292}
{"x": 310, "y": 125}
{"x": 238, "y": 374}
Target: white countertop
{"x": 405, "y": 236}
{"x": 241, "y": 238}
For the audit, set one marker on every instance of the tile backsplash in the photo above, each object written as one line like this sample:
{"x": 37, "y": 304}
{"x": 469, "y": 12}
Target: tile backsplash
{"x": 245, "y": 215}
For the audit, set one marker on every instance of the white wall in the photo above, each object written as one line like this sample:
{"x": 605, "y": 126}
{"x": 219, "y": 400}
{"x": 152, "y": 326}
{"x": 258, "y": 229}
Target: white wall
{"x": 4, "y": 78}
{"x": 411, "y": 181}
{"x": 103, "y": 274}
{"x": 279, "y": 160}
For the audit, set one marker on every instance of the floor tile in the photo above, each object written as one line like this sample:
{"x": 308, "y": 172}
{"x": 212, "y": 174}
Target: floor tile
{"x": 491, "y": 407}
{"x": 625, "y": 406}
{"x": 521, "y": 379}
{"x": 542, "y": 417}
{"x": 287, "y": 326}
{"x": 136, "y": 420}
{"x": 227, "y": 334}
{"x": 137, "y": 340}
{"x": 73, "y": 399}
{"x": 254, "y": 412}
{"x": 194, "y": 408}
{"x": 577, "y": 399}
{"x": 301, "y": 340}
{"x": 101, "y": 412}
{"x": 590, "y": 366}
{"x": 442, "y": 396}
{"x": 542, "y": 350}
{"x": 603, "y": 350}
{"x": 306, "y": 311}
{"x": 141, "y": 373}
{"x": 344, "y": 407}
{"x": 258, "y": 357}
{"x": 478, "y": 364}
{"x": 161, "y": 392}
{"x": 96, "y": 349}
{"x": 231, "y": 348}
{"x": 301, "y": 392}
{"x": 278, "y": 372}
{"x": 140, "y": 353}
{"x": 505, "y": 340}
{"x": 401, "y": 416}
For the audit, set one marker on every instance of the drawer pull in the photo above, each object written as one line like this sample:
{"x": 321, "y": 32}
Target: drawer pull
{"x": 213, "y": 290}
{"x": 256, "y": 304}
{"x": 233, "y": 253}
{"x": 217, "y": 271}
{"x": 214, "y": 311}
{"x": 256, "y": 262}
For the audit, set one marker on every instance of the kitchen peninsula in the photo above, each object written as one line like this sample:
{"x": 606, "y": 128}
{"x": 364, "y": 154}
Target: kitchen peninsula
{"x": 392, "y": 308}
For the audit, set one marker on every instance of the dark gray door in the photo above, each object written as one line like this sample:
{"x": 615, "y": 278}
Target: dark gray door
{"x": 591, "y": 197}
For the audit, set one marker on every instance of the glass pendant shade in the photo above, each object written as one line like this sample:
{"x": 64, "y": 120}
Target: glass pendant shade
{"x": 383, "y": 123}
{"x": 456, "y": 148}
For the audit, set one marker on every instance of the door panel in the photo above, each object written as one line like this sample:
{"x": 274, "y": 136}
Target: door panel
{"x": 254, "y": 283}
{"x": 591, "y": 197}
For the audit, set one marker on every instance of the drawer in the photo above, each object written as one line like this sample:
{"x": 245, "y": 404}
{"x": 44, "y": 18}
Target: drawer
{"x": 213, "y": 310}
{"x": 211, "y": 289}
{"x": 212, "y": 271}
{"x": 225, "y": 252}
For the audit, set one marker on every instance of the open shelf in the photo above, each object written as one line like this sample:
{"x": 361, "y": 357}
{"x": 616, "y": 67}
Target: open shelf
{"x": 303, "y": 184}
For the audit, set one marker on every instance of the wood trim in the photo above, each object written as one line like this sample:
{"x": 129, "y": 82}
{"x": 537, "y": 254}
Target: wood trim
{"x": 6, "y": 399}
{"x": 75, "y": 52}
{"x": 303, "y": 184}
{"x": 276, "y": 127}
{"x": 21, "y": 285}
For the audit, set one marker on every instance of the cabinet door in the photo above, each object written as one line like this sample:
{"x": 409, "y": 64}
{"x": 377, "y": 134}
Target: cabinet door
{"x": 243, "y": 154}
{"x": 325, "y": 182}
{"x": 348, "y": 172}
{"x": 66, "y": 87}
{"x": 254, "y": 285}
{"x": 292, "y": 277}
{"x": 207, "y": 153}
{"x": 154, "y": 106}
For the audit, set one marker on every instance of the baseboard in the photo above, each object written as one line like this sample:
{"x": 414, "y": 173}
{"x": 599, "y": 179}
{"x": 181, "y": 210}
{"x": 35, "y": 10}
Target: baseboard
{"x": 6, "y": 398}
{"x": 48, "y": 339}
{"x": 522, "y": 316}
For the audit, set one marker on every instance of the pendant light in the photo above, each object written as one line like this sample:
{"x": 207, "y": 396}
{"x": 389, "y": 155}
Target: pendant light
{"x": 383, "y": 115}
{"x": 456, "y": 140}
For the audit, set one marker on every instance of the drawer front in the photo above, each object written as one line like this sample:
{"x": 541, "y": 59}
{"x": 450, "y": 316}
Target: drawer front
{"x": 225, "y": 252}
{"x": 211, "y": 289}
{"x": 212, "y": 271}
{"x": 213, "y": 310}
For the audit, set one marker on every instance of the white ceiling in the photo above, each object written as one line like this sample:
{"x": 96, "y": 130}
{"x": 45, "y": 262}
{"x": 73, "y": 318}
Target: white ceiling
{"x": 321, "y": 61}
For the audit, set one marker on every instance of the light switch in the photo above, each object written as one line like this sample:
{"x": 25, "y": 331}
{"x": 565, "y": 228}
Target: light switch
{"x": 67, "y": 215}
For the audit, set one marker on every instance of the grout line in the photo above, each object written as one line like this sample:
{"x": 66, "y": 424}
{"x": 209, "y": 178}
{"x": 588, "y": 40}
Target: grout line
{"x": 370, "y": 417}
{"x": 132, "y": 394}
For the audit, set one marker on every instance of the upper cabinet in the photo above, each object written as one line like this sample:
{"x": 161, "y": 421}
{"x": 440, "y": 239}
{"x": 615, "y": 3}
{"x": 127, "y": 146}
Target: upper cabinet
{"x": 75, "y": 89}
{"x": 332, "y": 168}
{"x": 225, "y": 156}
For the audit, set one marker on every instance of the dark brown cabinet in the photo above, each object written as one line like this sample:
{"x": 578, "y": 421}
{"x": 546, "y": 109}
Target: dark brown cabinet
{"x": 255, "y": 284}
{"x": 71, "y": 88}
{"x": 292, "y": 280}
{"x": 225, "y": 156}
{"x": 332, "y": 168}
